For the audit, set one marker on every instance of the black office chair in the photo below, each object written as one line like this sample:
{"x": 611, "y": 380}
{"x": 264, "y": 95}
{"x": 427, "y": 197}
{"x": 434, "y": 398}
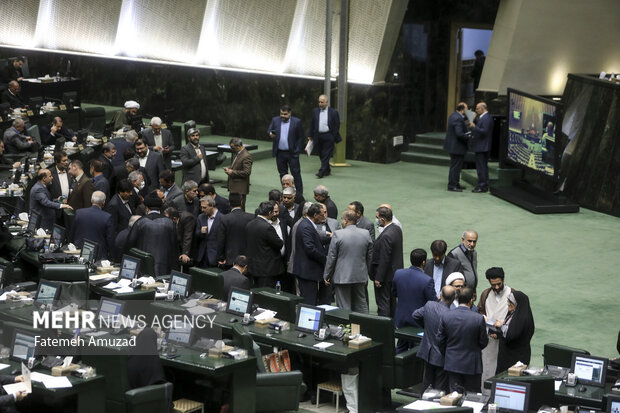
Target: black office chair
{"x": 560, "y": 355}
{"x": 274, "y": 391}
{"x": 93, "y": 119}
{"x": 34, "y": 133}
{"x": 284, "y": 304}
{"x": 208, "y": 280}
{"x": 73, "y": 279}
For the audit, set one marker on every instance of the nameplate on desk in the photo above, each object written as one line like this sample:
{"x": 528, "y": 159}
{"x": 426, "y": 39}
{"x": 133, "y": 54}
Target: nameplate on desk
{"x": 42, "y": 165}
{"x": 30, "y": 113}
{"x": 80, "y": 147}
{"x": 62, "y": 107}
{"x": 104, "y": 139}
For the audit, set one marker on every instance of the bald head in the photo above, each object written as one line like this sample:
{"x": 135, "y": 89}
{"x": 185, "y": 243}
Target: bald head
{"x": 448, "y": 294}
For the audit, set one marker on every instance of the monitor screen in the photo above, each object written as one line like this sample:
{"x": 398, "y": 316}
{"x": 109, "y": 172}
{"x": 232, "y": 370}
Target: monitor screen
{"x": 239, "y": 301}
{"x": 109, "y": 310}
{"x": 309, "y": 318}
{"x": 613, "y": 404}
{"x": 89, "y": 250}
{"x": 532, "y": 131}
{"x": 58, "y": 235}
{"x": 129, "y": 267}
{"x": 33, "y": 222}
{"x": 511, "y": 396}
{"x": 180, "y": 283}
{"x": 47, "y": 293}
{"x": 180, "y": 333}
{"x": 23, "y": 345}
{"x": 589, "y": 369}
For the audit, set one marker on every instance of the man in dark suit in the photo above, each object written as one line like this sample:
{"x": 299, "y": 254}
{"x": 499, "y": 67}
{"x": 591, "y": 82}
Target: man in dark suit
{"x": 413, "y": 289}
{"x": 461, "y": 336}
{"x": 231, "y": 239}
{"x": 152, "y": 163}
{"x": 325, "y": 133}
{"x": 14, "y": 70}
{"x": 119, "y": 206}
{"x": 122, "y": 145}
{"x": 108, "y": 152}
{"x": 456, "y": 145}
{"x": 61, "y": 184}
{"x": 387, "y": 257}
{"x": 7, "y": 401}
{"x": 207, "y": 227}
{"x": 156, "y": 235}
{"x": 263, "y": 248}
{"x": 120, "y": 241}
{"x": 41, "y": 200}
{"x": 310, "y": 258}
{"x": 15, "y": 141}
{"x": 186, "y": 225}
{"x": 222, "y": 204}
{"x": 169, "y": 188}
{"x": 441, "y": 265}
{"x": 189, "y": 201}
{"x": 429, "y": 317}
{"x": 5, "y": 163}
{"x": 288, "y": 181}
{"x": 55, "y": 130}
{"x": 240, "y": 169}
{"x": 290, "y": 211}
{"x": 95, "y": 225}
{"x": 481, "y": 145}
{"x": 82, "y": 186}
{"x": 235, "y": 277}
{"x": 321, "y": 195}
{"x": 194, "y": 158}
{"x": 159, "y": 140}
{"x": 362, "y": 221}
{"x": 12, "y": 96}
{"x": 288, "y": 138}
{"x": 100, "y": 182}
{"x": 476, "y": 72}
{"x": 139, "y": 189}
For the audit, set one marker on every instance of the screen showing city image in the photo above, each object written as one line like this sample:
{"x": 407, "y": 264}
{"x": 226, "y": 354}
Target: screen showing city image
{"x": 532, "y": 128}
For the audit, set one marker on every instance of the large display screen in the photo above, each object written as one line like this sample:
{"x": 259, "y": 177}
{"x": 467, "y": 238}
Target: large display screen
{"x": 532, "y": 130}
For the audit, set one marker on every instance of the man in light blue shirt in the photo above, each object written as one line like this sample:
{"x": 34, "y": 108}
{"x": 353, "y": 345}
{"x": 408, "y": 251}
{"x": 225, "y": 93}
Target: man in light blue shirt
{"x": 288, "y": 136}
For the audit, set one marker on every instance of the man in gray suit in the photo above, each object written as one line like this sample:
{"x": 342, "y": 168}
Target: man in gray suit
{"x": 362, "y": 221}
{"x": 41, "y": 200}
{"x": 194, "y": 158}
{"x": 441, "y": 266}
{"x": 159, "y": 140}
{"x": 348, "y": 260}
{"x": 468, "y": 257}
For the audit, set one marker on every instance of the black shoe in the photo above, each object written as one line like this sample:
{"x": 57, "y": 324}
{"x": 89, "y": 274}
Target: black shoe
{"x": 327, "y": 173}
{"x": 455, "y": 189}
{"x": 460, "y": 187}
{"x": 479, "y": 190}
{"x": 320, "y": 175}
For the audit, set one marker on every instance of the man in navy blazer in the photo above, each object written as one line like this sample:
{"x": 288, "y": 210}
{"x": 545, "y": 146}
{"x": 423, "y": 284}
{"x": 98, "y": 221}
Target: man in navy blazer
{"x": 310, "y": 258}
{"x": 287, "y": 145}
{"x": 456, "y": 145}
{"x": 324, "y": 131}
{"x": 481, "y": 145}
{"x": 429, "y": 317}
{"x": 462, "y": 335}
{"x": 151, "y": 161}
{"x": 120, "y": 207}
{"x": 412, "y": 288}
{"x": 94, "y": 224}
{"x": 207, "y": 228}
{"x": 41, "y": 200}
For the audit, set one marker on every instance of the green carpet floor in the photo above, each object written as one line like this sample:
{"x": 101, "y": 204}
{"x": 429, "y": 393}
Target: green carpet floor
{"x": 566, "y": 263}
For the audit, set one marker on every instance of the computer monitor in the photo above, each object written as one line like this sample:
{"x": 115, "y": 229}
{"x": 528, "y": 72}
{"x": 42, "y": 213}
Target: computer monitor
{"x": 542, "y": 390}
{"x": 33, "y": 222}
{"x": 70, "y": 99}
{"x": 47, "y": 293}
{"x": 89, "y": 250}
{"x": 58, "y": 235}
{"x": 23, "y": 345}
{"x": 589, "y": 370}
{"x": 511, "y": 397}
{"x": 59, "y": 144}
{"x": 613, "y": 404}
{"x": 130, "y": 266}
{"x": 180, "y": 283}
{"x": 109, "y": 310}
{"x": 309, "y": 318}
{"x": 239, "y": 301}
{"x": 180, "y": 333}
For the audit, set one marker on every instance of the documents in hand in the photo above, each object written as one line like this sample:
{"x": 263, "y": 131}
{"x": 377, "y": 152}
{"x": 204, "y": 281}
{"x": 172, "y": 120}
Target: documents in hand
{"x": 25, "y": 385}
{"x": 309, "y": 147}
{"x": 51, "y": 382}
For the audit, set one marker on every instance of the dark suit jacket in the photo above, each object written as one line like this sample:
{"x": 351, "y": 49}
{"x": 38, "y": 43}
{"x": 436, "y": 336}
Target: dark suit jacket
{"x": 429, "y": 317}
{"x": 185, "y": 232}
{"x": 239, "y": 179}
{"x": 154, "y": 165}
{"x": 233, "y": 278}
{"x": 413, "y": 289}
{"x": 14, "y": 101}
{"x": 191, "y": 163}
{"x": 55, "y": 189}
{"x": 222, "y": 204}
{"x": 462, "y": 335}
{"x": 450, "y": 265}
{"x": 173, "y": 193}
{"x": 231, "y": 239}
{"x": 456, "y": 141}
{"x": 286, "y": 217}
{"x": 263, "y": 249}
{"x": 332, "y": 209}
{"x": 48, "y": 139}
{"x": 120, "y": 244}
{"x": 482, "y": 134}
{"x": 7, "y": 400}
{"x": 95, "y": 225}
{"x": 41, "y": 202}
{"x": 333, "y": 122}
{"x": 81, "y": 193}
{"x": 100, "y": 183}
{"x": 295, "y": 136}
{"x": 207, "y": 243}
{"x": 366, "y": 224}
{"x": 156, "y": 235}
{"x": 166, "y": 141}
{"x": 121, "y": 145}
{"x": 108, "y": 169}
{"x": 118, "y": 211}
{"x": 387, "y": 254}
{"x": 310, "y": 254}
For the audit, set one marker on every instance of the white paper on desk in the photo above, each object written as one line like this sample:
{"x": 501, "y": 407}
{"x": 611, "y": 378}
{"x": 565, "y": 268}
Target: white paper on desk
{"x": 111, "y": 286}
{"x": 4, "y": 366}
{"x": 476, "y": 407}
{"x": 189, "y": 304}
{"x": 557, "y": 384}
{"x": 57, "y": 382}
{"x": 124, "y": 290}
{"x": 15, "y": 387}
{"x": 323, "y": 344}
{"x": 124, "y": 282}
{"x": 98, "y": 277}
{"x": 328, "y": 307}
{"x": 424, "y": 405}
{"x": 309, "y": 147}
{"x": 200, "y": 310}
